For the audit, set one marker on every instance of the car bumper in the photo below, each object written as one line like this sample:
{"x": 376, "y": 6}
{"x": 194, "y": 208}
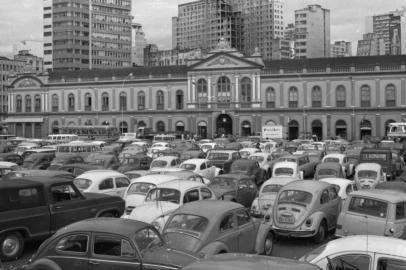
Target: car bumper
{"x": 298, "y": 234}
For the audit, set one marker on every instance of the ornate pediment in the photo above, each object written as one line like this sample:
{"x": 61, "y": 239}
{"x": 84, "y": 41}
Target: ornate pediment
{"x": 27, "y": 83}
{"x": 224, "y": 61}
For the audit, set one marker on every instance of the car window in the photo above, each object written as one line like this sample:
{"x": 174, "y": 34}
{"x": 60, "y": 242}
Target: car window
{"x": 144, "y": 237}
{"x": 351, "y": 262}
{"x": 227, "y": 223}
{"x": 112, "y": 246}
{"x": 332, "y": 191}
{"x": 73, "y": 243}
{"x": 203, "y": 166}
{"x": 400, "y": 210}
{"x": 20, "y": 198}
{"x": 122, "y": 182}
{"x": 348, "y": 189}
{"x": 206, "y": 194}
{"x": 106, "y": 184}
{"x": 391, "y": 264}
{"x": 368, "y": 207}
{"x": 64, "y": 192}
{"x": 325, "y": 197}
{"x": 242, "y": 217}
{"x": 191, "y": 196}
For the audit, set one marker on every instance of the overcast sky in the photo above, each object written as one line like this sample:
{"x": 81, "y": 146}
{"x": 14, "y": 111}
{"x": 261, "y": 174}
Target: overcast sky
{"x": 22, "y": 19}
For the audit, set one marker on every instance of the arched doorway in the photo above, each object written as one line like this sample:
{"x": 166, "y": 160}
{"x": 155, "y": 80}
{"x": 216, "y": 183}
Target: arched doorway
{"x": 365, "y": 128}
{"x": 55, "y": 127}
{"x": 224, "y": 125}
{"x": 293, "y": 130}
{"x": 245, "y": 128}
{"x": 387, "y": 125}
{"x": 317, "y": 129}
{"x": 202, "y": 129}
{"x": 341, "y": 129}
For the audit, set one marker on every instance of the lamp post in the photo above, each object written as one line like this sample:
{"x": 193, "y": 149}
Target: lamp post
{"x": 130, "y": 75}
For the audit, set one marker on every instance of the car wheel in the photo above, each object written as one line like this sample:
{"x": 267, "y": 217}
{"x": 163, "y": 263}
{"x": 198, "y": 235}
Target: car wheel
{"x": 268, "y": 244}
{"x": 12, "y": 246}
{"x": 107, "y": 214}
{"x": 321, "y": 233}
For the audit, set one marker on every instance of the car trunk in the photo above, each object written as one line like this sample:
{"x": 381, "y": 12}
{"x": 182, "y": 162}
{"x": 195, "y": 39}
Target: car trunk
{"x": 290, "y": 215}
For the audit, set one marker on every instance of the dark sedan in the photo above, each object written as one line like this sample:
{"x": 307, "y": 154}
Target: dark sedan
{"x": 108, "y": 243}
{"x": 249, "y": 168}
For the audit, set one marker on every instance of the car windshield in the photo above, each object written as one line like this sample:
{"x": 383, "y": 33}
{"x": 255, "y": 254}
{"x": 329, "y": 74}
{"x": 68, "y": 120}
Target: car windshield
{"x": 127, "y": 161}
{"x": 163, "y": 194}
{"x": 271, "y": 188}
{"x": 188, "y": 166}
{"x": 224, "y": 181}
{"x": 217, "y": 156}
{"x": 147, "y": 238}
{"x": 288, "y": 159}
{"x": 140, "y": 188}
{"x": 327, "y": 172}
{"x": 97, "y": 161}
{"x": 295, "y": 196}
{"x": 158, "y": 164}
{"x": 331, "y": 159}
{"x": 283, "y": 171}
{"x": 257, "y": 158}
{"x": 188, "y": 222}
{"x": 367, "y": 174}
{"x": 82, "y": 183}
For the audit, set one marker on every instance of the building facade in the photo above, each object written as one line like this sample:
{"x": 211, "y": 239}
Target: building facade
{"x": 312, "y": 32}
{"x": 341, "y": 48}
{"x": 139, "y": 43}
{"x": 371, "y": 44}
{"x": 32, "y": 63}
{"x": 224, "y": 93}
{"x": 83, "y": 34}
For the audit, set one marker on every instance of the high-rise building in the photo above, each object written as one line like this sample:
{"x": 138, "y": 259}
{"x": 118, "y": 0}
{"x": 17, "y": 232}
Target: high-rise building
{"x": 86, "y": 34}
{"x": 341, "y": 48}
{"x": 371, "y": 44}
{"x": 312, "y": 32}
{"x": 8, "y": 68}
{"x": 32, "y": 63}
{"x": 139, "y": 43}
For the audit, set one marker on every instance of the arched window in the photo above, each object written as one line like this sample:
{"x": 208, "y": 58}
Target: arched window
{"x": 180, "y": 127}
{"x": 341, "y": 129}
{"x": 246, "y": 90}
{"x": 160, "y": 100}
{"x": 88, "y": 122}
{"x": 19, "y": 103}
{"x": 55, "y": 103}
{"x": 179, "y": 100}
{"x": 123, "y": 101}
{"x": 223, "y": 90}
{"x": 270, "y": 97}
{"x": 141, "y": 100}
{"x": 71, "y": 102}
{"x": 293, "y": 97}
{"x": 340, "y": 96}
{"x": 123, "y": 127}
{"x": 270, "y": 123}
{"x": 160, "y": 126}
{"x": 245, "y": 128}
{"x": 202, "y": 91}
{"x": 88, "y": 102}
{"x": 105, "y": 101}
{"x": 55, "y": 127}
{"x": 316, "y": 96}
{"x": 141, "y": 124}
{"x": 365, "y": 96}
{"x": 390, "y": 95}
{"x": 28, "y": 103}
{"x": 37, "y": 103}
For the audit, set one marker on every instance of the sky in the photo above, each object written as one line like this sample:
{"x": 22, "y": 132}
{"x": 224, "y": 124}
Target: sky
{"x": 21, "y": 20}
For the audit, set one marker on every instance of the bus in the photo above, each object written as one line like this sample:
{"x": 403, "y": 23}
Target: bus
{"x": 81, "y": 148}
{"x": 61, "y": 138}
{"x": 99, "y": 133}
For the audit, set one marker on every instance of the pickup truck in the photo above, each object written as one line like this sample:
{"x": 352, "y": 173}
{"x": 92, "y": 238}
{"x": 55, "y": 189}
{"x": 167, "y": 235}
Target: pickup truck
{"x": 223, "y": 158}
{"x": 33, "y": 208}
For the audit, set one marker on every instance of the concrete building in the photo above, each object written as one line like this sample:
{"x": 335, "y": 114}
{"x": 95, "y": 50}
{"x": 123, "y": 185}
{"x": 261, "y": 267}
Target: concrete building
{"x": 224, "y": 92}
{"x": 33, "y": 63}
{"x": 139, "y": 43}
{"x": 86, "y": 34}
{"x": 371, "y": 45}
{"x": 312, "y": 32}
{"x": 341, "y": 48}
{"x": 172, "y": 57}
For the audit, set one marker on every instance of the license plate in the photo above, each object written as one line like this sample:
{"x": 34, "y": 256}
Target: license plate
{"x": 289, "y": 220}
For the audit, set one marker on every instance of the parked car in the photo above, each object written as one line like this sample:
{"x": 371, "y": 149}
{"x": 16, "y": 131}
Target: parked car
{"x": 241, "y": 261}
{"x": 234, "y": 187}
{"x": 134, "y": 162}
{"x": 165, "y": 162}
{"x": 65, "y": 159}
{"x": 108, "y": 244}
{"x": 182, "y": 174}
{"x": 265, "y": 162}
{"x": 305, "y": 165}
{"x": 33, "y": 208}
{"x": 103, "y": 181}
{"x": 76, "y": 169}
{"x": 328, "y": 170}
{"x": 374, "y": 212}
{"x": 135, "y": 174}
{"x": 103, "y": 161}
{"x": 358, "y": 253}
{"x": 344, "y": 186}
{"x": 208, "y": 146}
{"x": 248, "y": 151}
{"x": 41, "y": 150}
{"x": 38, "y": 173}
{"x": 213, "y": 227}
{"x": 23, "y": 146}
{"x": 342, "y": 160}
{"x": 393, "y": 185}
{"x": 11, "y": 157}
{"x": 223, "y": 158}
{"x": 200, "y": 166}
{"x": 382, "y": 156}
{"x": 306, "y": 209}
{"x": 192, "y": 154}
{"x": 250, "y": 168}
{"x": 368, "y": 175}
{"x": 162, "y": 200}
{"x": 132, "y": 150}
{"x": 39, "y": 161}
{"x": 7, "y": 167}
{"x": 287, "y": 169}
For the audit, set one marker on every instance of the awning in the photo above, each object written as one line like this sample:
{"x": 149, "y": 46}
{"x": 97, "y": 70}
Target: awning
{"x": 24, "y": 120}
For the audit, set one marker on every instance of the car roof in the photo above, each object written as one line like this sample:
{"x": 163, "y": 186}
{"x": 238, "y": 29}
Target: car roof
{"x": 43, "y": 173}
{"x": 262, "y": 154}
{"x": 100, "y": 174}
{"x": 181, "y": 184}
{"x": 284, "y": 180}
{"x": 228, "y": 151}
{"x": 165, "y": 158}
{"x": 289, "y": 164}
{"x": 369, "y": 165}
{"x": 19, "y": 183}
{"x": 311, "y": 186}
{"x": 208, "y": 208}
{"x": 392, "y": 196}
{"x": 155, "y": 178}
{"x": 393, "y": 185}
{"x": 337, "y": 181}
{"x": 337, "y": 155}
{"x": 195, "y": 161}
{"x": 328, "y": 165}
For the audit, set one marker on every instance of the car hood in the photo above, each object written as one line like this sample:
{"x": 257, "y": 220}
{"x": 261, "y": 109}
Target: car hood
{"x": 266, "y": 200}
{"x": 182, "y": 240}
{"x": 220, "y": 190}
{"x": 168, "y": 256}
{"x": 148, "y": 212}
{"x": 126, "y": 168}
{"x": 134, "y": 200}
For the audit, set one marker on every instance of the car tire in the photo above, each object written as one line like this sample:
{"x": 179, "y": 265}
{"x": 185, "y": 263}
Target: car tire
{"x": 321, "y": 233}
{"x": 268, "y": 244}
{"x": 11, "y": 246}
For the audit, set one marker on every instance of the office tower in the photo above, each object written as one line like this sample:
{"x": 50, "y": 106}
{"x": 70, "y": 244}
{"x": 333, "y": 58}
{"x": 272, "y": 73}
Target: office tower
{"x": 86, "y": 34}
{"x": 370, "y": 44}
{"x": 341, "y": 48}
{"x": 139, "y": 43}
{"x": 312, "y": 32}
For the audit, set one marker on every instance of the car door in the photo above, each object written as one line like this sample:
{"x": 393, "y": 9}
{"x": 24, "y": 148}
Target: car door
{"x": 71, "y": 251}
{"x": 228, "y": 232}
{"x": 113, "y": 252}
{"x": 121, "y": 184}
{"x": 334, "y": 205}
{"x": 244, "y": 195}
{"x": 246, "y": 231}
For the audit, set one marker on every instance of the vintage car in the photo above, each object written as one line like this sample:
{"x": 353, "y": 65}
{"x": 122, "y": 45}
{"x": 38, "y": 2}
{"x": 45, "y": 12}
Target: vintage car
{"x": 320, "y": 145}
{"x": 291, "y": 147}
{"x": 382, "y": 156}
{"x": 165, "y": 162}
{"x": 182, "y": 174}
{"x": 223, "y": 158}
{"x": 286, "y": 169}
{"x": 11, "y": 157}
{"x": 249, "y": 168}
{"x": 25, "y": 146}
{"x": 200, "y": 166}
{"x": 108, "y": 243}
{"x": 208, "y": 146}
{"x": 270, "y": 146}
{"x": 157, "y": 147}
{"x": 103, "y": 181}
{"x": 34, "y": 207}
{"x": 307, "y": 166}
{"x": 359, "y": 252}
{"x": 265, "y": 162}
{"x": 234, "y": 187}
{"x": 334, "y": 149}
{"x": 65, "y": 159}
{"x": 38, "y": 161}
{"x": 162, "y": 200}
{"x": 393, "y": 185}
{"x": 343, "y": 185}
{"x": 192, "y": 153}
{"x": 135, "y": 174}
{"x": 341, "y": 159}
{"x": 328, "y": 170}
{"x": 267, "y": 194}
{"x": 38, "y": 173}
{"x": 241, "y": 261}
{"x": 132, "y": 150}
{"x": 103, "y": 161}
{"x": 213, "y": 227}
{"x": 246, "y": 152}
{"x": 368, "y": 175}
{"x": 316, "y": 155}
{"x": 7, "y": 167}
{"x": 134, "y": 162}
{"x": 381, "y": 212}
{"x": 306, "y": 209}
{"x": 135, "y": 193}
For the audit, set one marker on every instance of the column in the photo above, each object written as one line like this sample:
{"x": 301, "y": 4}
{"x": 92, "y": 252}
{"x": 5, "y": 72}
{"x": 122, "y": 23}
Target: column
{"x": 282, "y": 94}
{"x": 114, "y": 99}
{"x": 150, "y": 98}
{"x": 209, "y": 94}
{"x": 377, "y": 125}
{"x": 254, "y": 94}
{"x": 169, "y": 96}
{"x": 193, "y": 90}
{"x": 305, "y": 95}
{"x": 189, "y": 82}
{"x": 9, "y": 100}
{"x": 237, "y": 89}
{"x": 78, "y": 100}
{"x": 151, "y": 124}
{"x": 236, "y": 124}
{"x": 352, "y": 92}
{"x": 96, "y": 99}
{"x": 377, "y": 93}
{"x": 403, "y": 91}
{"x": 328, "y": 93}
{"x": 131, "y": 97}
{"x": 353, "y": 126}
{"x": 328, "y": 125}
{"x": 169, "y": 123}
{"x": 62, "y": 102}
{"x": 258, "y": 87}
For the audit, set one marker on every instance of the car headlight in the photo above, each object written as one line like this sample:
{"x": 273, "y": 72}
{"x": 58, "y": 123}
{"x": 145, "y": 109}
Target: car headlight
{"x": 309, "y": 222}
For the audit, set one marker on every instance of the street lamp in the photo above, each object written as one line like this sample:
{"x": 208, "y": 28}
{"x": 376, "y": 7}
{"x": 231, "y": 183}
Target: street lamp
{"x": 130, "y": 75}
